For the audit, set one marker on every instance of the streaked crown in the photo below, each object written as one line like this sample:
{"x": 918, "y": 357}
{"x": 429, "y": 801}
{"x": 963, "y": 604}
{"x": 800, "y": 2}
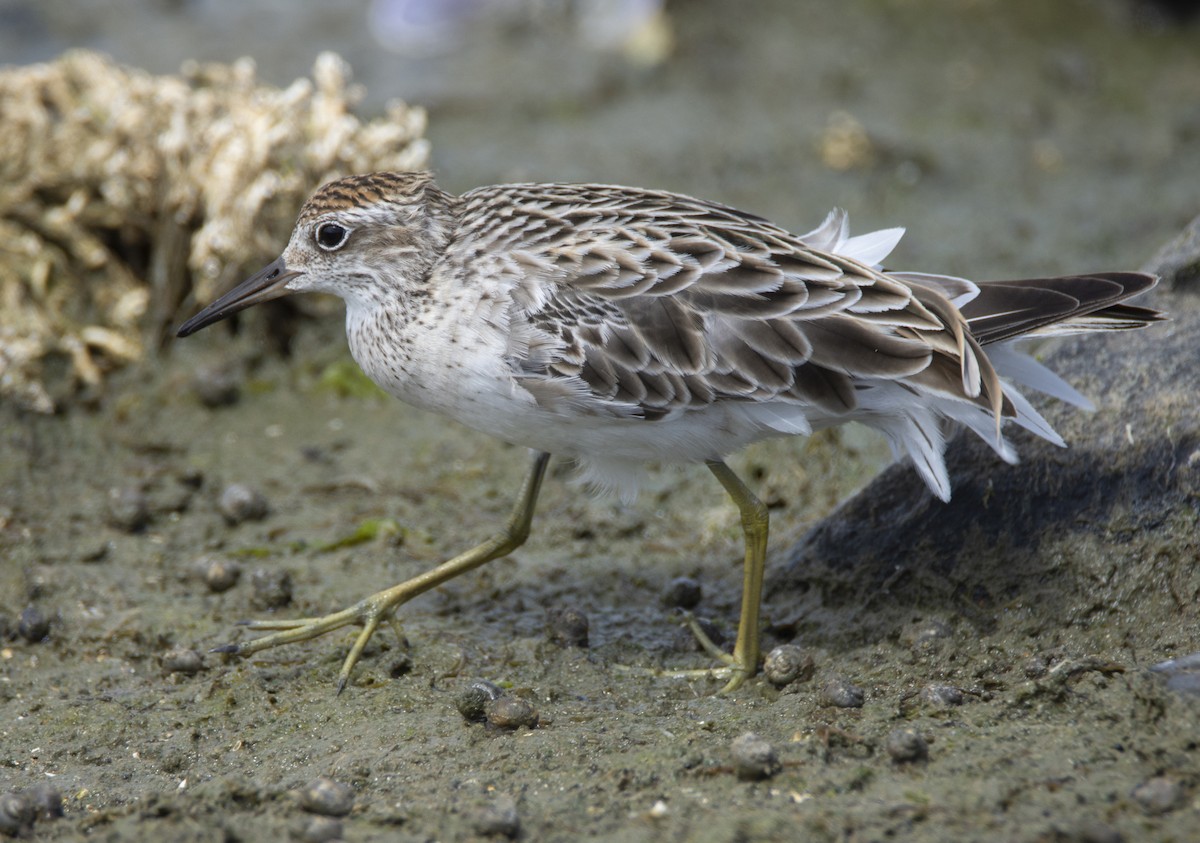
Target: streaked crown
{"x": 367, "y": 190}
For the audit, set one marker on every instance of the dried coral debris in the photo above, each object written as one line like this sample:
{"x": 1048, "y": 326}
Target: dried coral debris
{"x": 122, "y": 194}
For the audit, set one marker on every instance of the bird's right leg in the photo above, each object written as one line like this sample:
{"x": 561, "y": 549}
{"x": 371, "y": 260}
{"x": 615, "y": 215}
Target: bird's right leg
{"x": 371, "y": 611}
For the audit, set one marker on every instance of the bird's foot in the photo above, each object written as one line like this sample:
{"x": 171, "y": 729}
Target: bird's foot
{"x": 734, "y": 668}
{"x": 369, "y": 613}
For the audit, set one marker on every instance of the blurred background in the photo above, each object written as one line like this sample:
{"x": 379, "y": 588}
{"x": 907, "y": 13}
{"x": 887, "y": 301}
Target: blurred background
{"x": 1010, "y": 136}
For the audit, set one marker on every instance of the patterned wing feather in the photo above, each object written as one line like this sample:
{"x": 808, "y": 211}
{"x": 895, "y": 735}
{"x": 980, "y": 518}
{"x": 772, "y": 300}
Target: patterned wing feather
{"x": 661, "y": 303}
{"x": 650, "y": 303}
{"x": 666, "y": 303}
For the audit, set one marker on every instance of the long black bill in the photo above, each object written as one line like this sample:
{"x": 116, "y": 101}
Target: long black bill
{"x": 266, "y": 284}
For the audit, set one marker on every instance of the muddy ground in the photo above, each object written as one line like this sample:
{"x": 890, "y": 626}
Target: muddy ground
{"x": 1010, "y": 138}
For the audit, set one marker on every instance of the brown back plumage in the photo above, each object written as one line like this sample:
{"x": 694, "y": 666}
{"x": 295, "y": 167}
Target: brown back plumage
{"x": 650, "y": 303}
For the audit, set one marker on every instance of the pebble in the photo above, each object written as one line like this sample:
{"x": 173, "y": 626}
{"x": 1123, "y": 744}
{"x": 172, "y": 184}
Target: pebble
{"x": 941, "y": 696}
{"x": 840, "y": 692}
{"x": 786, "y": 664}
{"x": 33, "y": 625}
{"x": 220, "y": 574}
{"x": 754, "y": 758}
{"x": 321, "y": 830}
{"x": 567, "y": 627}
{"x": 498, "y": 819}
{"x": 327, "y": 797}
{"x": 473, "y": 699}
{"x": 47, "y": 800}
{"x": 182, "y": 660}
{"x": 128, "y": 509}
{"x": 906, "y": 745}
{"x": 240, "y": 502}
{"x": 682, "y": 593}
{"x": 17, "y": 814}
{"x": 1159, "y": 795}
{"x": 510, "y": 712}
{"x": 272, "y": 588}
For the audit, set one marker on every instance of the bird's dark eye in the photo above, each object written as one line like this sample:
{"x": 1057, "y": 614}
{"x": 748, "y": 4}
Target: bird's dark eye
{"x": 331, "y": 236}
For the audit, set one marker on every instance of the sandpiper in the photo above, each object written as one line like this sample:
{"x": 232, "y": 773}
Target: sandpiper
{"x": 615, "y": 325}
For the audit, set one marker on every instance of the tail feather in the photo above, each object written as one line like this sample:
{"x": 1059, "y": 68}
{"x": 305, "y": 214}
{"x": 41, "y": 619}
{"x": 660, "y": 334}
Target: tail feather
{"x": 1117, "y": 317}
{"x": 1050, "y": 306}
{"x": 992, "y": 367}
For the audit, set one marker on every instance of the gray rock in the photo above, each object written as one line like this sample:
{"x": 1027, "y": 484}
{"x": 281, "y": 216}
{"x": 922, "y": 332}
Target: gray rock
{"x": 906, "y": 745}
{"x": 753, "y": 757}
{"x": 240, "y": 502}
{"x": 1052, "y": 531}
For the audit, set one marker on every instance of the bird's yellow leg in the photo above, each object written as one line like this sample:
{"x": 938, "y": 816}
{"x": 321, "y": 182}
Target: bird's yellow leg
{"x": 371, "y": 611}
{"x": 755, "y": 525}
{"x": 743, "y": 663}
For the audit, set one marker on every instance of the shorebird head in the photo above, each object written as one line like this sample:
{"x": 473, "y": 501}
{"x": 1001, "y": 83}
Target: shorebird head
{"x": 359, "y": 238}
